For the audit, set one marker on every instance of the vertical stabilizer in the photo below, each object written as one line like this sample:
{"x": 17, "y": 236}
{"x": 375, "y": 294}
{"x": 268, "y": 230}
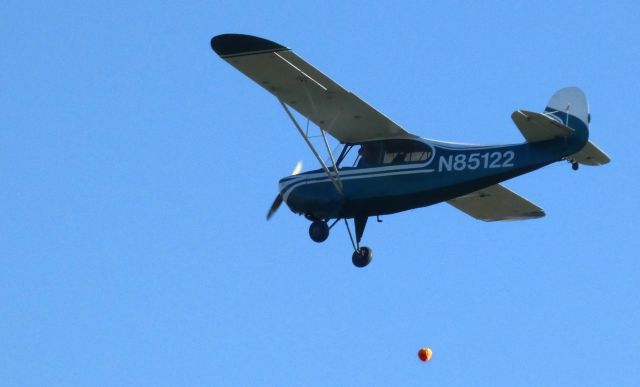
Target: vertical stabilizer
{"x": 566, "y": 115}
{"x": 570, "y": 107}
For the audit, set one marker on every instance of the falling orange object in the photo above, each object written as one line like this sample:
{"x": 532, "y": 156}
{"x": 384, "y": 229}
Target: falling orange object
{"x": 425, "y": 354}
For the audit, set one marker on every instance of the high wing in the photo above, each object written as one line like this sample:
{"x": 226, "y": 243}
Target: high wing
{"x": 497, "y": 203}
{"x": 300, "y": 85}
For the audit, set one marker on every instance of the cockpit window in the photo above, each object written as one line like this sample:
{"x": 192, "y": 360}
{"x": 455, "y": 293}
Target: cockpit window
{"x": 370, "y": 154}
{"x": 386, "y": 152}
{"x": 405, "y": 157}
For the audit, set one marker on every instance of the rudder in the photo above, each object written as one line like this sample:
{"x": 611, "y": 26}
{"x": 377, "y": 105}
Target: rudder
{"x": 566, "y": 115}
{"x": 570, "y": 107}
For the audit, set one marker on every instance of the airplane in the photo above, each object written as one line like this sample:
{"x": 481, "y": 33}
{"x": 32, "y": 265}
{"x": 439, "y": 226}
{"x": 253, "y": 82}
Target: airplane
{"x": 395, "y": 170}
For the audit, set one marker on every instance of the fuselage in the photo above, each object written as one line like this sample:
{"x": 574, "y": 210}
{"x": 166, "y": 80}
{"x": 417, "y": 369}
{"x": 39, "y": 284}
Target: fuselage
{"x": 449, "y": 171}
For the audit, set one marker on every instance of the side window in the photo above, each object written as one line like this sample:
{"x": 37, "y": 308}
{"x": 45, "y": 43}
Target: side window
{"x": 392, "y": 152}
{"x": 370, "y": 154}
{"x": 404, "y": 151}
{"x": 418, "y": 156}
{"x": 394, "y": 157}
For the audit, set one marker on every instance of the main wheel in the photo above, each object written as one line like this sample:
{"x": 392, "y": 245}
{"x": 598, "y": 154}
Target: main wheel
{"x": 363, "y": 257}
{"x": 319, "y": 231}
{"x": 575, "y": 166}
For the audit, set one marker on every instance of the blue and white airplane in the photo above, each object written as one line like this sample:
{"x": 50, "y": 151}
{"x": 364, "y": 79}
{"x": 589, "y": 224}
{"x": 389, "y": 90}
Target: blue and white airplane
{"x": 395, "y": 170}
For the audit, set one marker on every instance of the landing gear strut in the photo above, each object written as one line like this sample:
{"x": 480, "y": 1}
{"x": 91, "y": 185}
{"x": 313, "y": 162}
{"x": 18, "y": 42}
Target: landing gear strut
{"x": 319, "y": 231}
{"x": 361, "y": 255}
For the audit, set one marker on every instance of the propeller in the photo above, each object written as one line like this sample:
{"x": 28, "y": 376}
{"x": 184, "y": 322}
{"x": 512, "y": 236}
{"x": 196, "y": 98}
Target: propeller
{"x": 278, "y": 201}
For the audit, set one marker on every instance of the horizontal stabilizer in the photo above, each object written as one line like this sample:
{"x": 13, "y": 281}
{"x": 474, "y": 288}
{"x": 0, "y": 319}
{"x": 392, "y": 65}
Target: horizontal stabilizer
{"x": 591, "y": 155}
{"x": 496, "y": 203}
{"x": 539, "y": 126}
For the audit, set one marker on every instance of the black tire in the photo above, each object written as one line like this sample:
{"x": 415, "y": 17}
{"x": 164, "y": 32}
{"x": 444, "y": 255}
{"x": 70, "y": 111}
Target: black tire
{"x": 319, "y": 231}
{"x": 363, "y": 257}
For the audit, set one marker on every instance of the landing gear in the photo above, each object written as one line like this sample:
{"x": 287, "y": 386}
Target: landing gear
{"x": 319, "y": 231}
{"x": 574, "y": 164}
{"x": 363, "y": 257}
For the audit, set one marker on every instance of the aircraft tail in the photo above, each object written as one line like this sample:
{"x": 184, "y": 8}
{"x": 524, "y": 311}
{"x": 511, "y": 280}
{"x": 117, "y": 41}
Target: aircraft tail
{"x": 566, "y": 115}
{"x": 569, "y": 106}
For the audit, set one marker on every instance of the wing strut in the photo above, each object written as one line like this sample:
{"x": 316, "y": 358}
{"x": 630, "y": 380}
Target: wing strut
{"x": 333, "y": 161}
{"x": 334, "y": 179}
{"x": 315, "y": 112}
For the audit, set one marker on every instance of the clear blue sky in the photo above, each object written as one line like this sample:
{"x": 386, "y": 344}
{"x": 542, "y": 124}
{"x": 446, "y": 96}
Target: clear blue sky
{"x": 136, "y": 169}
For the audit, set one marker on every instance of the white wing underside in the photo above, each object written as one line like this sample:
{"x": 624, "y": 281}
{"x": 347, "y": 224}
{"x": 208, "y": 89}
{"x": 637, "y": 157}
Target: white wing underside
{"x": 497, "y": 203}
{"x": 297, "y": 83}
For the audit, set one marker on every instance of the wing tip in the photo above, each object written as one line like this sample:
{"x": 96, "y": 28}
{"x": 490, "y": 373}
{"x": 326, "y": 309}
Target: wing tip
{"x": 227, "y": 45}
